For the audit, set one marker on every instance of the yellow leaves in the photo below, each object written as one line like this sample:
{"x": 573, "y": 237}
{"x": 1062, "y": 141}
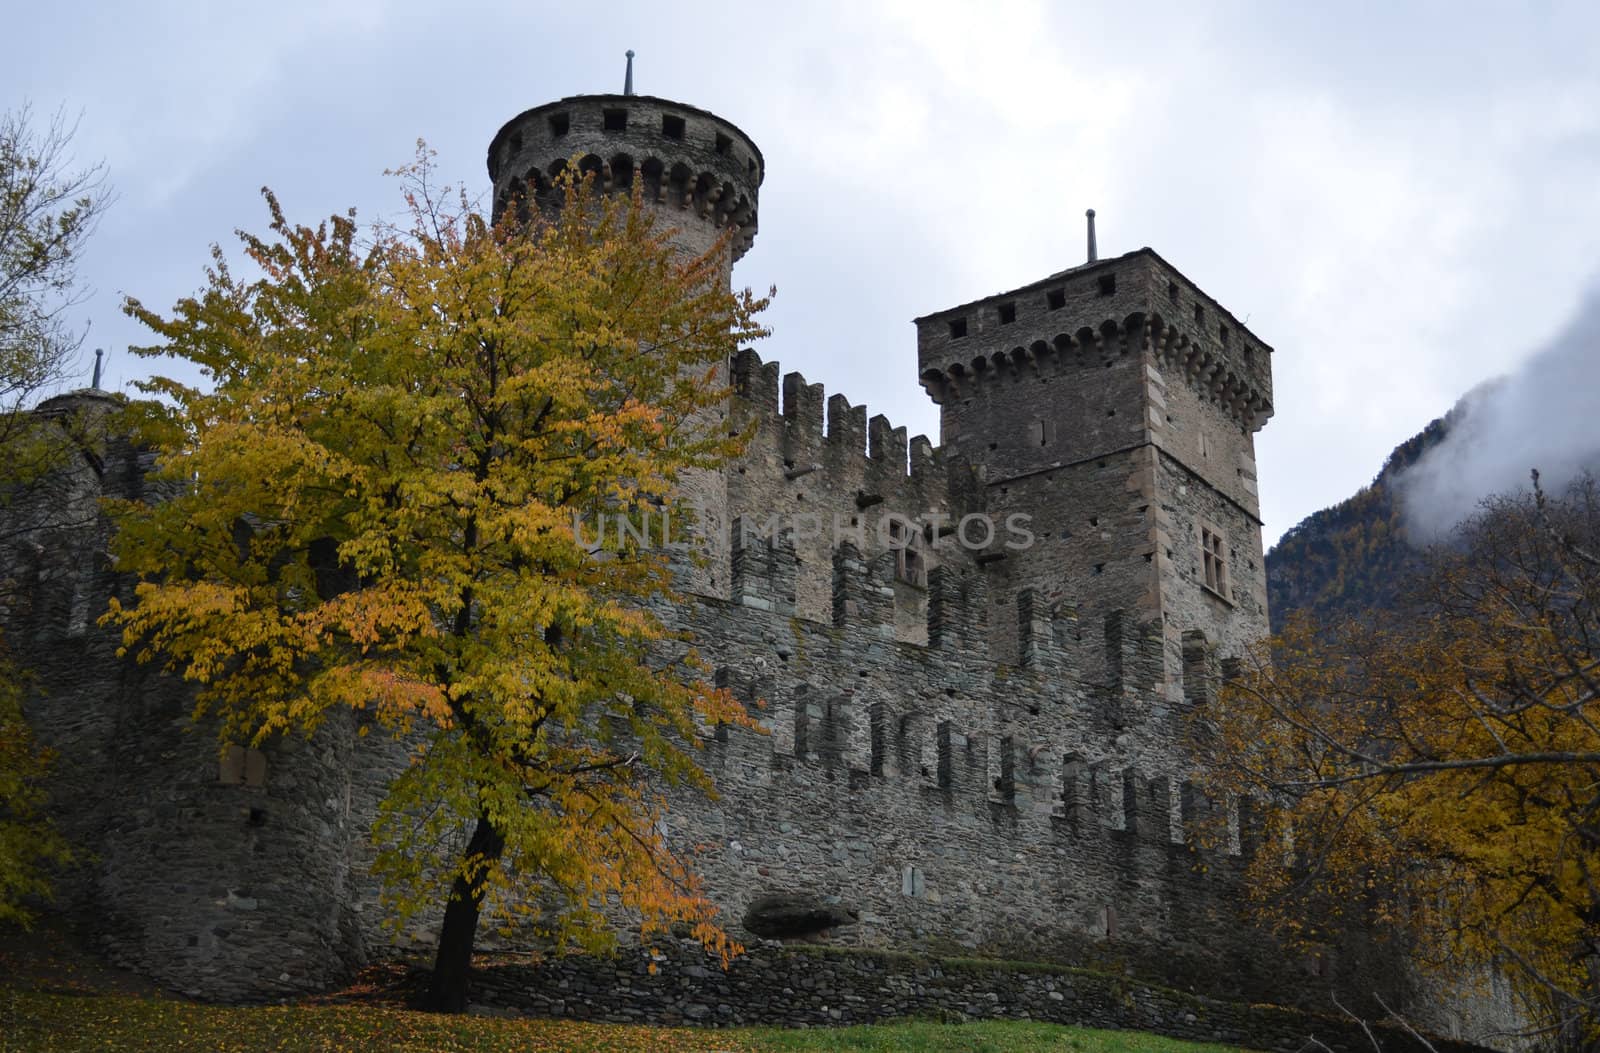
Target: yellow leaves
{"x": 1444, "y": 767}
{"x": 372, "y": 511}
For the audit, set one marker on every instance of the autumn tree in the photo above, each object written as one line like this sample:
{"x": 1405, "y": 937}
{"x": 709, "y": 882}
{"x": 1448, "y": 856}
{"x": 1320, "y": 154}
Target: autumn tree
{"x": 373, "y": 509}
{"x": 49, "y": 207}
{"x": 1438, "y": 768}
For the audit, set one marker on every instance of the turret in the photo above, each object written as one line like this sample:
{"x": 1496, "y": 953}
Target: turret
{"x": 697, "y": 170}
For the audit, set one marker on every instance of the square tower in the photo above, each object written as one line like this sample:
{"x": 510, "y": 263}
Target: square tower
{"x": 1115, "y": 404}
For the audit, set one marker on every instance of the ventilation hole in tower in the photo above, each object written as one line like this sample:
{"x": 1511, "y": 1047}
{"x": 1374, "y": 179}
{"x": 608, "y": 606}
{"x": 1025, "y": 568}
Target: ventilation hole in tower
{"x": 1149, "y": 557}
{"x": 1107, "y": 284}
{"x": 671, "y": 126}
{"x": 1222, "y": 334}
{"x": 1199, "y": 314}
{"x": 950, "y": 692}
{"x": 724, "y": 145}
{"x": 1008, "y": 313}
{"x": 615, "y": 120}
{"x": 560, "y": 124}
{"x": 1055, "y": 299}
{"x": 1099, "y": 568}
{"x": 622, "y": 171}
{"x": 958, "y": 328}
{"x": 1172, "y": 291}
{"x": 1111, "y": 413}
{"x": 1033, "y": 711}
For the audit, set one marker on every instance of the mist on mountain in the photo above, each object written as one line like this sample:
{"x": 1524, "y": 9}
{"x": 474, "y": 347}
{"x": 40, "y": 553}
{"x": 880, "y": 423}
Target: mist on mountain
{"x": 1545, "y": 416}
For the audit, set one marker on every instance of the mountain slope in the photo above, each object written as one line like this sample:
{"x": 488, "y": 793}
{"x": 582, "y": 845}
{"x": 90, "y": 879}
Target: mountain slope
{"x": 1351, "y": 557}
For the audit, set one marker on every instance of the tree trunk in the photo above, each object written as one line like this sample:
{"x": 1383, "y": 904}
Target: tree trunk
{"x": 447, "y": 991}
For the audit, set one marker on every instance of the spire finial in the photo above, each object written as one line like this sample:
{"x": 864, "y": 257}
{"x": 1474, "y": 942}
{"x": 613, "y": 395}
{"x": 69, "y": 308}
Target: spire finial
{"x": 627, "y": 81}
{"x": 1094, "y": 252}
{"x": 99, "y": 353}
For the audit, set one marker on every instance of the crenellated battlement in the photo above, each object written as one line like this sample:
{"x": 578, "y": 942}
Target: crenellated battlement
{"x": 815, "y": 427}
{"x": 698, "y": 170}
{"x": 1089, "y": 317}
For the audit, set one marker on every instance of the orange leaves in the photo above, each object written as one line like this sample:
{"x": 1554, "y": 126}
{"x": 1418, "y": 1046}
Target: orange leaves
{"x": 373, "y": 510}
{"x": 1441, "y": 768}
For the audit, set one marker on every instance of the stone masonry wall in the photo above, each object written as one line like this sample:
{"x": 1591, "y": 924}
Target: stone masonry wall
{"x": 799, "y": 987}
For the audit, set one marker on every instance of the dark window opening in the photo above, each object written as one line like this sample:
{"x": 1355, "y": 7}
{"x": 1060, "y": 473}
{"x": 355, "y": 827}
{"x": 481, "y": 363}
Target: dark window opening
{"x": 559, "y": 123}
{"x": 1222, "y": 334}
{"x": 1008, "y": 313}
{"x": 1199, "y": 314}
{"x": 1107, "y": 284}
{"x": 615, "y": 120}
{"x": 1099, "y": 568}
{"x": 945, "y": 765}
{"x": 958, "y": 328}
{"x": 1172, "y": 291}
{"x": 515, "y": 146}
{"x": 1005, "y": 782}
{"x": 879, "y": 737}
{"x": 1213, "y": 562}
{"x": 672, "y": 127}
{"x": 1055, "y": 299}
{"x": 724, "y": 145}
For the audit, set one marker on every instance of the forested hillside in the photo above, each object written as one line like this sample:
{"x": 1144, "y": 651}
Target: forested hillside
{"x": 1352, "y": 557}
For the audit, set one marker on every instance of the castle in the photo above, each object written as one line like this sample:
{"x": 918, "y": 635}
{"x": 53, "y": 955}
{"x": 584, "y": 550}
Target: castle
{"x": 979, "y": 657}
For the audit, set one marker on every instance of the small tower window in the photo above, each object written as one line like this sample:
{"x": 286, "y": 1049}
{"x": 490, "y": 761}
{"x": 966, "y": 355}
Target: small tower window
{"x": 724, "y": 145}
{"x": 672, "y": 126}
{"x": 1008, "y": 313}
{"x": 1222, "y": 334}
{"x": 1107, "y": 284}
{"x": 910, "y": 564}
{"x": 1055, "y": 299}
{"x": 958, "y": 328}
{"x": 615, "y": 120}
{"x": 559, "y": 124}
{"x": 1199, "y": 315}
{"x": 1213, "y": 547}
{"x": 1172, "y": 291}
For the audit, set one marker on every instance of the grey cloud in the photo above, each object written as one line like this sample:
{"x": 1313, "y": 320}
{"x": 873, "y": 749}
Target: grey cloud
{"x": 1544, "y": 416}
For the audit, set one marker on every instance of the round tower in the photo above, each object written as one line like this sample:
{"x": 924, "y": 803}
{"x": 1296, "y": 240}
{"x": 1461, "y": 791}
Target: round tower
{"x": 699, "y": 172}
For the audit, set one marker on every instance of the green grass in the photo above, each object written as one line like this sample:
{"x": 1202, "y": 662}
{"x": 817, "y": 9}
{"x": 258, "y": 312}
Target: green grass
{"x": 75, "y": 1023}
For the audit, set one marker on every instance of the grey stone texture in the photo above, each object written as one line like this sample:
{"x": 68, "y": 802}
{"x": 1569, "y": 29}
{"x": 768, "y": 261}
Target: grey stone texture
{"x": 973, "y": 747}
{"x": 781, "y": 986}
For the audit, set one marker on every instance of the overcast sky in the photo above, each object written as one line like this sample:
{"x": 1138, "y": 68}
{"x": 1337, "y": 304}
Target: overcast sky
{"x": 1402, "y": 201}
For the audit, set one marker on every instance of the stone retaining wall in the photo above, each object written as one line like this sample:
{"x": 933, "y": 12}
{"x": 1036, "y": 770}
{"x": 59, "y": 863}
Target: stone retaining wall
{"x": 782, "y": 986}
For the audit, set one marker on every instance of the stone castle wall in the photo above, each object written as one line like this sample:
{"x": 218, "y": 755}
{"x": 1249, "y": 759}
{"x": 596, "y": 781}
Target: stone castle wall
{"x": 973, "y": 742}
{"x": 1031, "y": 806}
